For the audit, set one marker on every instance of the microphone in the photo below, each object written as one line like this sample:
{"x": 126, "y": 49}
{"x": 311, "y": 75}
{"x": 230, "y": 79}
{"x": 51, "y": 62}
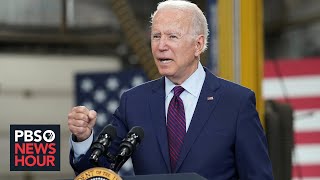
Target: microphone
{"x": 128, "y": 146}
{"x": 101, "y": 145}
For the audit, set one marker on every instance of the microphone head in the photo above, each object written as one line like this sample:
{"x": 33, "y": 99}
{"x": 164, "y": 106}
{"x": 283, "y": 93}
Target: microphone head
{"x": 138, "y": 131}
{"x": 110, "y": 130}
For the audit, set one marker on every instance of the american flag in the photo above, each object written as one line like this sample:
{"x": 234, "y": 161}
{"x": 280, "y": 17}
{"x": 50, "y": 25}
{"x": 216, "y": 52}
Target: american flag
{"x": 298, "y": 81}
{"x": 102, "y": 91}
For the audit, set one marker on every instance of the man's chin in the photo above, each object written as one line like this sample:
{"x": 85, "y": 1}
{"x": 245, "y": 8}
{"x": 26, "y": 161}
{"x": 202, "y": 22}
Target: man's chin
{"x": 165, "y": 73}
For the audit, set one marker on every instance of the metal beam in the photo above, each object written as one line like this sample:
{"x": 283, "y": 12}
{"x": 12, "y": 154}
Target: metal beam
{"x": 59, "y": 38}
{"x": 226, "y": 39}
{"x": 135, "y": 36}
{"x": 240, "y": 41}
{"x": 251, "y": 52}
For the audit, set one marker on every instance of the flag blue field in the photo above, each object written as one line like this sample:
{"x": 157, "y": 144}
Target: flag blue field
{"x": 102, "y": 91}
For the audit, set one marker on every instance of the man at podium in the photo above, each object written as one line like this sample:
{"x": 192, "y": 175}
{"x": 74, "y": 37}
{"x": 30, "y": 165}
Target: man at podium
{"x": 193, "y": 121}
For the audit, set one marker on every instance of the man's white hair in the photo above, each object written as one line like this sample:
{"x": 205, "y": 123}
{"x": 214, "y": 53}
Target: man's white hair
{"x": 200, "y": 24}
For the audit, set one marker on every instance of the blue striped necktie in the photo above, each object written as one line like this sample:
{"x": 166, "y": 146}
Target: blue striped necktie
{"x": 176, "y": 126}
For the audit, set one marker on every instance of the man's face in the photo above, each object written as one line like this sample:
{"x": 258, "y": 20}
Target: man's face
{"x": 175, "y": 48}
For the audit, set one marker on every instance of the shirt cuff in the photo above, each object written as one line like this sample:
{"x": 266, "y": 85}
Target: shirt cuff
{"x": 80, "y": 148}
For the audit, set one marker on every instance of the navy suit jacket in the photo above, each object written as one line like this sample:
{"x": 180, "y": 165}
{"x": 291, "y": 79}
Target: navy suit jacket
{"x": 225, "y": 139}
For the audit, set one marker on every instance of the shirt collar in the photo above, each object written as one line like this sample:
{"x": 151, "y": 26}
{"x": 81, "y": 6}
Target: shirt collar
{"x": 193, "y": 84}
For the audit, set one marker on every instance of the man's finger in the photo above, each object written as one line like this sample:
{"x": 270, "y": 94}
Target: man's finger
{"x": 92, "y": 123}
{"x": 92, "y": 114}
{"x": 93, "y": 118}
{"x": 80, "y": 116}
{"x": 81, "y": 109}
{"x": 78, "y": 123}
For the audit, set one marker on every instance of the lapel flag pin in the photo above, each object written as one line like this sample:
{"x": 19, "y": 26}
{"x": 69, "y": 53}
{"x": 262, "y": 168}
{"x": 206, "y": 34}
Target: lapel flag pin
{"x": 210, "y": 98}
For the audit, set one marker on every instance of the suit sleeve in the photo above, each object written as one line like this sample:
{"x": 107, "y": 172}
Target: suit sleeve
{"x": 119, "y": 121}
{"x": 251, "y": 150}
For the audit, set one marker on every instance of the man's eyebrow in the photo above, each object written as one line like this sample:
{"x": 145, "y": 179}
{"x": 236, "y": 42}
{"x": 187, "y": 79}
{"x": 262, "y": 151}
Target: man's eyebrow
{"x": 174, "y": 33}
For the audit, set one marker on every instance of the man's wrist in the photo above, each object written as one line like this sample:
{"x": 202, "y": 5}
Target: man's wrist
{"x": 80, "y": 139}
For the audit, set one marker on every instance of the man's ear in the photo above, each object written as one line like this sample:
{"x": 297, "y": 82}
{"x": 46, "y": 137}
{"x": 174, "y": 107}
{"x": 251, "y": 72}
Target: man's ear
{"x": 199, "y": 45}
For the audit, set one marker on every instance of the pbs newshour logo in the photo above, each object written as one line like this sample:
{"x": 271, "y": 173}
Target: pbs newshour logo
{"x": 34, "y": 147}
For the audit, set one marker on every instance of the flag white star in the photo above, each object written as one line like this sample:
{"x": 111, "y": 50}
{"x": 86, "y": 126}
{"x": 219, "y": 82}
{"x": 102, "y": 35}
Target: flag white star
{"x": 86, "y": 85}
{"x": 112, "y": 83}
{"x": 137, "y": 80}
{"x": 112, "y": 105}
{"x": 100, "y": 95}
{"x": 101, "y": 119}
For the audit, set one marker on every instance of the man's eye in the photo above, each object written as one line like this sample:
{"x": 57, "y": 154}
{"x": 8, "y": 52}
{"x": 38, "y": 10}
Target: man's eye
{"x": 173, "y": 37}
{"x": 155, "y": 37}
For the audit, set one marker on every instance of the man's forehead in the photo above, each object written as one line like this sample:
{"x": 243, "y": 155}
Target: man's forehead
{"x": 173, "y": 15}
{"x": 171, "y": 22}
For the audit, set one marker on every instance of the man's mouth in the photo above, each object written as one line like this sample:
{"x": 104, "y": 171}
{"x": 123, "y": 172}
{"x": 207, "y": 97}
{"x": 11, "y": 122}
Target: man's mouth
{"x": 164, "y": 60}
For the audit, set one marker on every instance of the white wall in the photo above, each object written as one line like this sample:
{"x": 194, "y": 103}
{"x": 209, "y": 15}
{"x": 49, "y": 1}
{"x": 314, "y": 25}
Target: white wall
{"x": 49, "y": 78}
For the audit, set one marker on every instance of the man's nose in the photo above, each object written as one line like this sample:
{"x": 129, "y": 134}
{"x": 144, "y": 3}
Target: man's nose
{"x": 163, "y": 44}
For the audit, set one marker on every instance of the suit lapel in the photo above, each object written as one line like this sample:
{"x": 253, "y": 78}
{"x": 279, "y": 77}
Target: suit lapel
{"x": 204, "y": 108}
{"x": 157, "y": 107}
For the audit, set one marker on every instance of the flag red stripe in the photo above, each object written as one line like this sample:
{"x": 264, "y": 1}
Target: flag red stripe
{"x": 303, "y": 103}
{"x": 276, "y": 68}
{"x": 306, "y": 170}
{"x": 307, "y": 137}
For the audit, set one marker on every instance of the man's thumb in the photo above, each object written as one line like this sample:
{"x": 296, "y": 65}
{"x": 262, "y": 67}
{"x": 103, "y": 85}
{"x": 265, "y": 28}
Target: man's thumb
{"x": 92, "y": 118}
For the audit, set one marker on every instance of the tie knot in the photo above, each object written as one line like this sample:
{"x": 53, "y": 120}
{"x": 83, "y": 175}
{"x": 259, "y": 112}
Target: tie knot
{"x": 177, "y": 90}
